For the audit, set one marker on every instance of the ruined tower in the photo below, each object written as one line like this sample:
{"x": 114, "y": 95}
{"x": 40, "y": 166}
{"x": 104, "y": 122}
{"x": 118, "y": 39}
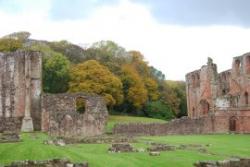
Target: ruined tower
{"x": 223, "y": 97}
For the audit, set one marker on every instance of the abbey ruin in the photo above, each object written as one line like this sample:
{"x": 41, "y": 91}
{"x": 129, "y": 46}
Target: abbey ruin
{"x": 217, "y": 103}
{"x": 222, "y": 99}
{"x": 24, "y": 107}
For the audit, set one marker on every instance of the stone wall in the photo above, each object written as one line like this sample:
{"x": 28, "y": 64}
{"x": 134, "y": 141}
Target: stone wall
{"x": 20, "y": 71}
{"x": 177, "y": 126}
{"x": 48, "y": 163}
{"x": 12, "y": 124}
{"x": 224, "y": 94}
{"x": 219, "y": 123}
{"x": 60, "y": 116}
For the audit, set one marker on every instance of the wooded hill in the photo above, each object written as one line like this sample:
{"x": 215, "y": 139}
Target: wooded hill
{"x": 126, "y": 81}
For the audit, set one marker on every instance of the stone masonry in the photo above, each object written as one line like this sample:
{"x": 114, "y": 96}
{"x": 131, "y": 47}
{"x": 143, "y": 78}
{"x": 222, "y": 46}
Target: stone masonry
{"x": 60, "y": 116}
{"x": 23, "y": 106}
{"x": 224, "y": 96}
{"x": 20, "y": 90}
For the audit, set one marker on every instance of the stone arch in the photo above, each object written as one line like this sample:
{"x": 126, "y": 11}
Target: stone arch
{"x": 204, "y": 106}
{"x": 232, "y": 124}
{"x": 67, "y": 124}
{"x": 247, "y": 66}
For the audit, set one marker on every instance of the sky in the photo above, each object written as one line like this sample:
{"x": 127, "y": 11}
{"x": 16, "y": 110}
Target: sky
{"x": 175, "y": 36}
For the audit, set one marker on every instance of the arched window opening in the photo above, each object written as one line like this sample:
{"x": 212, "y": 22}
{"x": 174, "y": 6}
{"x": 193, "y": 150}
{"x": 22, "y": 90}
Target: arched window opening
{"x": 246, "y": 98}
{"x": 193, "y": 80}
{"x": 204, "y": 105}
{"x": 232, "y": 124}
{"x": 224, "y": 91}
{"x": 80, "y": 105}
{"x": 193, "y": 112}
{"x": 237, "y": 66}
{"x": 248, "y": 64}
{"x": 224, "y": 78}
{"x": 197, "y": 83}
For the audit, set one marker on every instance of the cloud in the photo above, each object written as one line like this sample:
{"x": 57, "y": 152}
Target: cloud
{"x": 200, "y": 12}
{"x": 173, "y": 49}
{"x": 76, "y": 9}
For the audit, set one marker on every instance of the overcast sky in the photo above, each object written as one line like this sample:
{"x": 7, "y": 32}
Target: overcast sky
{"x": 175, "y": 36}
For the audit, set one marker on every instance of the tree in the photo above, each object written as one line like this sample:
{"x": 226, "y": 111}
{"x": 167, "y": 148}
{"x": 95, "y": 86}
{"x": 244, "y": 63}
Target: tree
{"x": 23, "y": 36}
{"x": 173, "y": 93}
{"x": 55, "y": 73}
{"x": 74, "y": 53}
{"x": 139, "y": 63}
{"x": 92, "y": 77}
{"x": 179, "y": 87}
{"x": 109, "y": 54}
{"x": 152, "y": 88}
{"x": 134, "y": 88}
{"x": 158, "y": 109}
{"x": 10, "y": 45}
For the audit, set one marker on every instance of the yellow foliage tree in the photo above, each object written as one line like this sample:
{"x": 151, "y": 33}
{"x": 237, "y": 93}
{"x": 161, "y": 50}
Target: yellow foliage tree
{"x": 152, "y": 88}
{"x": 135, "y": 90}
{"x": 143, "y": 69}
{"x": 9, "y": 45}
{"x": 92, "y": 77}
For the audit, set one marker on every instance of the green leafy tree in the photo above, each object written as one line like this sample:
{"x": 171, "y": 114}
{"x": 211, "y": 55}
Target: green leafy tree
{"x": 173, "y": 93}
{"x": 74, "y": 53}
{"x": 158, "y": 109}
{"x": 55, "y": 73}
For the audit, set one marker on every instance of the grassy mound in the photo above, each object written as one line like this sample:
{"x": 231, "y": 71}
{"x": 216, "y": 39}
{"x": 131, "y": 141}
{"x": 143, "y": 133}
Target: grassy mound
{"x": 113, "y": 119}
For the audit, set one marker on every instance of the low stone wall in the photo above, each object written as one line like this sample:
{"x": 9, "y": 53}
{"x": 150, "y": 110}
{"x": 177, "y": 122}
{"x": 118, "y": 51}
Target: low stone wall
{"x": 225, "y": 163}
{"x": 185, "y": 125}
{"x": 48, "y": 163}
{"x": 9, "y": 137}
{"x": 11, "y": 124}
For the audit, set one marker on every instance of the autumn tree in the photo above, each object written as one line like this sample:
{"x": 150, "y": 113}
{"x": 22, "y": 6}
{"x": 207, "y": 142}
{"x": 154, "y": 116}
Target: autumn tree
{"x": 134, "y": 88}
{"x": 92, "y": 77}
{"x": 9, "y": 45}
{"x": 143, "y": 69}
{"x": 173, "y": 94}
{"x": 109, "y": 54}
{"x": 152, "y": 88}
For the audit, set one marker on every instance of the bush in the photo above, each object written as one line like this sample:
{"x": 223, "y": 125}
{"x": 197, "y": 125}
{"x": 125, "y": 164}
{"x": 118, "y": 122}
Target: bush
{"x": 158, "y": 109}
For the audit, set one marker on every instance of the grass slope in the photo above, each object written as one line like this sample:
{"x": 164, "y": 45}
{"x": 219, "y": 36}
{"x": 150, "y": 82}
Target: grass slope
{"x": 113, "y": 119}
{"x": 222, "y": 146}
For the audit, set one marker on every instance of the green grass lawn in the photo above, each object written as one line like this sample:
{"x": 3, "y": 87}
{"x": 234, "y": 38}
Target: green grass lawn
{"x": 113, "y": 119}
{"x": 222, "y": 147}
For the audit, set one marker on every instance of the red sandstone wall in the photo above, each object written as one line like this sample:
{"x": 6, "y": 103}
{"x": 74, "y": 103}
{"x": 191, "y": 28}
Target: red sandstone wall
{"x": 12, "y": 85}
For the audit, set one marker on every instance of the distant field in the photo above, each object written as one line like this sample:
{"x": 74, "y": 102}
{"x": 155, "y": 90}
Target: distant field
{"x": 220, "y": 147}
{"x": 112, "y": 120}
